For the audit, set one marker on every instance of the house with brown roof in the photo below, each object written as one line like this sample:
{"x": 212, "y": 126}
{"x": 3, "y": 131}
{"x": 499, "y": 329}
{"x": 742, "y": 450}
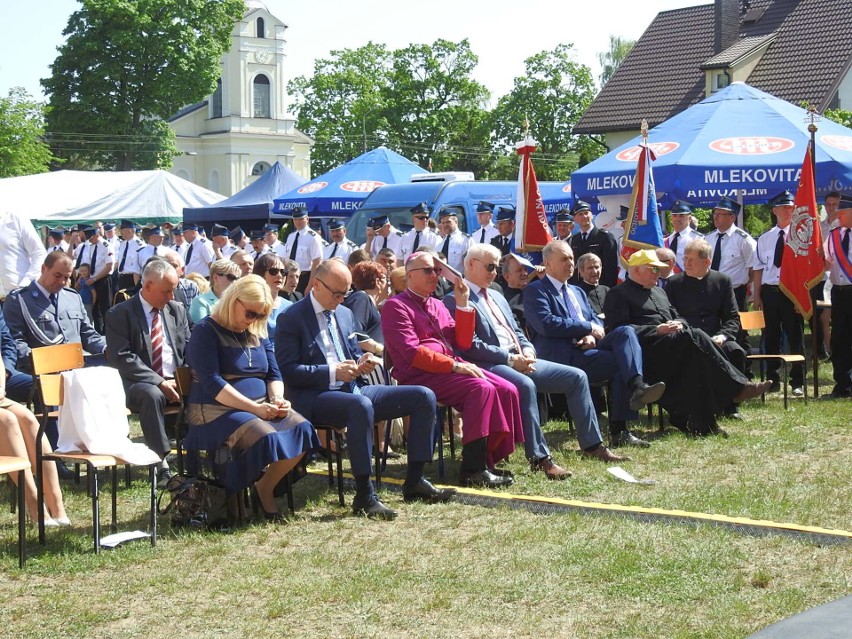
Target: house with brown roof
{"x": 797, "y": 50}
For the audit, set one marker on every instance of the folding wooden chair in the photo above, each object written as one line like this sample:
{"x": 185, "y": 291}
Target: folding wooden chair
{"x": 48, "y": 362}
{"x": 754, "y": 320}
{"x": 9, "y": 465}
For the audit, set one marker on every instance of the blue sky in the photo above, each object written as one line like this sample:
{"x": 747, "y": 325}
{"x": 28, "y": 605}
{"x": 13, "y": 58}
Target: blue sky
{"x": 502, "y": 33}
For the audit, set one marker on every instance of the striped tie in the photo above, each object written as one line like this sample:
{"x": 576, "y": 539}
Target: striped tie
{"x": 156, "y": 342}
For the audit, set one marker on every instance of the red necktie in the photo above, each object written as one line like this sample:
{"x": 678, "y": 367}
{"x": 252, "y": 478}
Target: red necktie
{"x": 156, "y": 342}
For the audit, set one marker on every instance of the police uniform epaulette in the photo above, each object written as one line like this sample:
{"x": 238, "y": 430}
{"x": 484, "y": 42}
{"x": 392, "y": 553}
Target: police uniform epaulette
{"x": 466, "y": 234}
{"x": 400, "y": 233}
{"x": 324, "y": 243}
{"x": 351, "y": 243}
{"x": 203, "y": 239}
{"x": 71, "y": 290}
{"x": 740, "y": 232}
{"x": 140, "y": 249}
{"x": 311, "y": 232}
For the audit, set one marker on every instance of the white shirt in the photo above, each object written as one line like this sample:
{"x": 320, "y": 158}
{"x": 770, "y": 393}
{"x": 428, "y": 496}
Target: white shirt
{"x": 572, "y": 296}
{"x": 168, "y": 353}
{"x": 103, "y": 255}
{"x": 127, "y": 254}
{"x": 394, "y": 243}
{"x": 684, "y": 237}
{"x": 136, "y": 263}
{"x": 737, "y": 253}
{"x": 325, "y": 338}
{"x": 490, "y": 232}
{"x": 428, "y": 237}
{"x": 458, "y": 246}
{"x": 308, "y": 249}
{"x": 500, "y": 324}
{"x": 836, "y": 276}
{"x": 202, "y": 256}
{"x": 344, "y": 249}
{"x": 764, "y": 255}
{"x": 21, "y": 252}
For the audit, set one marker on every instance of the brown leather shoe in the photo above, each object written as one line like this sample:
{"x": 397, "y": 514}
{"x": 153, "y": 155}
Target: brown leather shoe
{"x": 551, "y": 469}
{"x": 606, "y": 455}
{"x": 752, "y": 390}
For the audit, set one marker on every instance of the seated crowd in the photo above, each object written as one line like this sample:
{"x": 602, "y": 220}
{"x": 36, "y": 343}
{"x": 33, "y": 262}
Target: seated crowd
{"x": 282, "y": 336}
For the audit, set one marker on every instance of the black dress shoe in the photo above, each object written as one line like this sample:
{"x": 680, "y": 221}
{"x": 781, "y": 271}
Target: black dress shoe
{"x": 484, "y": 479}
{"x": 502, "y": 472}
{"x": 163, "y": 477}
{"x": 646, "y": 394}
{"x": 626, "y": 438}
{"x": 373, "y": 508}
{"x": 423, "y": 490}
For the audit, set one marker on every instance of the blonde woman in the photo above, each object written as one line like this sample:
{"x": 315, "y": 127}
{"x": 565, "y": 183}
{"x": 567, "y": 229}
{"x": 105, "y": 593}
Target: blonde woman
{"x": 237, "y": 398}
{"x": 223, "y": 273}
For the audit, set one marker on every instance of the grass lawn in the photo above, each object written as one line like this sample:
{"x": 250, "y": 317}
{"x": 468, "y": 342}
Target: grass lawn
{"x": 468, "y": 571}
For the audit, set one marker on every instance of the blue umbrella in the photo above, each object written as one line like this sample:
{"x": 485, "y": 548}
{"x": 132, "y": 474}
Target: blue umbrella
{"x": 340, "y": 191}
{"x": 739, "y": 139}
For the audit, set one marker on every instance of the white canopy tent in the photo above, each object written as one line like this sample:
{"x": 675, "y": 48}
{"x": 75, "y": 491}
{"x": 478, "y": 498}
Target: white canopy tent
{"x": 70, "y": 197}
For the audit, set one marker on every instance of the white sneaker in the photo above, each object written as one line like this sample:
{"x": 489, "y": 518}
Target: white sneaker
{"x": 50, "y": 522}
{"x": 798, "y": 392}
{"x": 63, "y": 522}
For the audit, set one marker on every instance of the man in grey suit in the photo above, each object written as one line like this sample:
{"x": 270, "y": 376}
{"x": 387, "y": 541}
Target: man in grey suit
{"x": 48, "y": 312}
{"x": 146, "y": 341}
{"x": 502, "y": 348}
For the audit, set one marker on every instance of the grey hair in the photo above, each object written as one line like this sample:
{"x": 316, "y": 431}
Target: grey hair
{"x": 587, "y": 257}
{"x": 158, "y": 270}
{"x": 551, "y": 246}
{"x": 479, "y": 251}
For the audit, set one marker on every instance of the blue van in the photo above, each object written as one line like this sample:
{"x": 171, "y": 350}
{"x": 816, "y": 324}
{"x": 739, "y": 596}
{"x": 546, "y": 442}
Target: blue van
{"x": 396, "y": 201}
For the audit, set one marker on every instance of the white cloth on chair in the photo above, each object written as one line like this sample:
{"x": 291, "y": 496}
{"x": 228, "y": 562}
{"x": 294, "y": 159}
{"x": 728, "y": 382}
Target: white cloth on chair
{"x": 93, "y": 417}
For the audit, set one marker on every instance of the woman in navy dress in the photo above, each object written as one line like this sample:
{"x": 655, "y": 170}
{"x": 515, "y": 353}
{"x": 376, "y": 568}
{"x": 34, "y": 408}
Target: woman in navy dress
{"x": 237, "y": 397}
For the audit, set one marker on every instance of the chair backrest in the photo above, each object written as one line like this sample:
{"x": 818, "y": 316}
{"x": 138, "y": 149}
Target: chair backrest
{"x": 752, "y": 320}
{"x": 183, "y": 377}
{"x": 58, "y": 358}
{"x": 51, "y": 389}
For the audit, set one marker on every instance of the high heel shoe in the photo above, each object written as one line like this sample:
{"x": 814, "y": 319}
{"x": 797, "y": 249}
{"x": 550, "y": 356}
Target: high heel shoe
{"x": 257, "y": 506}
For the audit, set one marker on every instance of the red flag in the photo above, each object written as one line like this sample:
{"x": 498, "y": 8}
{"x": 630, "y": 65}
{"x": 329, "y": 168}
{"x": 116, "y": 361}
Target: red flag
{"x": 531, "y": 230}
{"x": 802, "y": 266}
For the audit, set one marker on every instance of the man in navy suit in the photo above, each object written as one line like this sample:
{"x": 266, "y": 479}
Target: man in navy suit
{"x": 321, "y": 364}
{"x": 18, "y": 385}
{"x": 502, "y": 348}
{"x": 566, "y": 330}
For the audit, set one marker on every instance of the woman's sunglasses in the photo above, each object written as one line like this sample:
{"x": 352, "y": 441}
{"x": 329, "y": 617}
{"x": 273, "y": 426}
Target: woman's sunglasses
{"x": 276, "y": 271}
{"x": 228, "y": 276}
{"x": 252, "y": 315}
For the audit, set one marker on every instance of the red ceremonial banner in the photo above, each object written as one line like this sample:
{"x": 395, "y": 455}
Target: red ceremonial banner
{"x": 803, "y": 266}
{"x": 531, "y": 230}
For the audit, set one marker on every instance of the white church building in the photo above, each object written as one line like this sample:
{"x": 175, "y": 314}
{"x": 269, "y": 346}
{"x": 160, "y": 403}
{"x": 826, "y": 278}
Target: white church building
{"x": 243, "y": 128}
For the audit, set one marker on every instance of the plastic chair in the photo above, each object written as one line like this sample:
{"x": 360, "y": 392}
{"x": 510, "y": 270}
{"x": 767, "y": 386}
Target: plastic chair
{"x": 754, "y": 320}
{"x": 48, "y": 362}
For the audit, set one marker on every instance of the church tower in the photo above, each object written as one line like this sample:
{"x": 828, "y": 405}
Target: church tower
{"x": 242, "y": 128}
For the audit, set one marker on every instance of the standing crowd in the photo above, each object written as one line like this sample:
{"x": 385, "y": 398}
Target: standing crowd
{"x": 283, "y": 335}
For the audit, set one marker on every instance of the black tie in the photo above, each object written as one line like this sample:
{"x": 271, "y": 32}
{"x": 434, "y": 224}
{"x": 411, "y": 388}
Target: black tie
{"x": 673, "y": 245}
{"x": 844, "y": 243}
{"x": 94, "y": 257}
{"x": 385, "y": 242}
{"x": 585, "y": 237}
{"x": 333, "y": 251}
{"x": 482, "y": 237}
{"x": 155, "y": 251}
{"x": 295, "y": 246}
{"x": 445, "y": 249}
{"x": 779, "y": 249}
{"x": 123, "y": 257}
{"x": 189, "y": 253}
{"x": 80, "y": 256}
{"x": 416, "y": 241}
{"x": 505, "y": 242}
{"x": 717, "y": 253}
{"x": 54, "y": 299}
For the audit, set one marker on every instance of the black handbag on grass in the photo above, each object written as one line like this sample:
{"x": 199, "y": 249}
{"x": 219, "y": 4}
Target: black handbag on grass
{"x": 196, "y": 502}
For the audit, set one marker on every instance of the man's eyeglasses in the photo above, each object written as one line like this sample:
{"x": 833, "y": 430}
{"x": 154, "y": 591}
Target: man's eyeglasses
{"x": 430, "y": 270}
{"x": 276, "y": 271}
{"x": 491, "y": 267}
{"x": 338, "y": 295}
{"x": 252, "y": 315}
{"x": 653, "y": 269}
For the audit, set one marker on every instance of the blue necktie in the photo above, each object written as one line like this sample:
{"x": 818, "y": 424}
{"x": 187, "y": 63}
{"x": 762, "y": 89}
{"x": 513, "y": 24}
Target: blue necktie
{"x": 54, "y": 299}
{"x": 571, "y": 312}
{"x": 347, "y": 387}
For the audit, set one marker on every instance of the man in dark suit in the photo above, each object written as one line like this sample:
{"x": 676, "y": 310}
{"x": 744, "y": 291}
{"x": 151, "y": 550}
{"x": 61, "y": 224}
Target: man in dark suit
{"x": 18, "y": 384}
{"x": 321, "y": 364}
{"x": 591, "y": 239}
{"x": 706, "y": 300}
{"x": 146, "y": 341}
{"x": 589, "y": 266}
{"x": 501, "y": 347}
{"x": 700, "y": 382}
{"x": 566, "y": 330}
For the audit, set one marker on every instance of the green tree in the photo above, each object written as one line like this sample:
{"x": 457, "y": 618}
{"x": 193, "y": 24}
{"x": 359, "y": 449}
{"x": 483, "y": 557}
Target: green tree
{"x": 341, "y": 106}
{"x": 419, "y": 101}
{"x": 551, "y": 96}
{"x": 22, "y": 149}
{"x": 841, "y": 116}
{"x": 126, "y": 66}
{"x": 610, "y": 60}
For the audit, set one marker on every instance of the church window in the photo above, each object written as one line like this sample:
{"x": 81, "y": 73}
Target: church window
{"x": 261, "y": 95}
{"x": 261, "y": 28}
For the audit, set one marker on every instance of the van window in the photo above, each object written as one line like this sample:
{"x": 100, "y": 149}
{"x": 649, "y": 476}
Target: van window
{"x": 356, "y": 227}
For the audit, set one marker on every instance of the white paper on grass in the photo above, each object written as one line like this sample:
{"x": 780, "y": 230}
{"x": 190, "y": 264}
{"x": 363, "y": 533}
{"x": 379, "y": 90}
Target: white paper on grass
{"x": 111, "y": 541}
{"x": 619, "y": 473}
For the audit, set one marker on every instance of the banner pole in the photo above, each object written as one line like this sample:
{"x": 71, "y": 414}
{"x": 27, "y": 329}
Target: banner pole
{"x": 812, "y": 128}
